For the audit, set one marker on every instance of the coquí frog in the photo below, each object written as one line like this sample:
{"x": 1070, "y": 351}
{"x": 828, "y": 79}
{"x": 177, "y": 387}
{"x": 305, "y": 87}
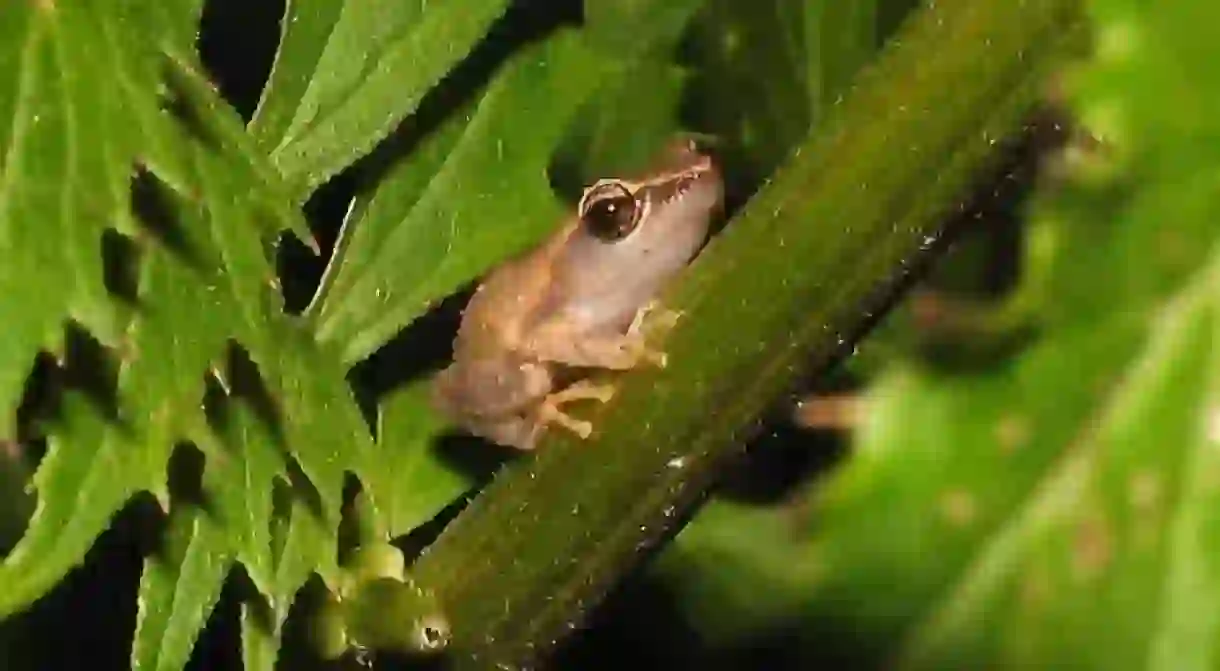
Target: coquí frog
{"x": 578, "y": 302}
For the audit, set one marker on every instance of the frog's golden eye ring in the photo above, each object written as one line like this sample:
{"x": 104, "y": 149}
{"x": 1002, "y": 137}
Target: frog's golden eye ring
{"x": 609, "y": 212}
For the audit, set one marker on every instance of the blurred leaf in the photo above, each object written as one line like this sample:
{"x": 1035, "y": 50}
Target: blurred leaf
{"x": 1056, "y": 510}
{"x": 838, "y": 37}
{"x": 16, "y": 501}
{"x": 625, "y": 28}
{"x": 348, "y": 72}
{"x": 622, "y": 126}
{"x": 1116, "y": 537}
{"x": 772, "y": 68}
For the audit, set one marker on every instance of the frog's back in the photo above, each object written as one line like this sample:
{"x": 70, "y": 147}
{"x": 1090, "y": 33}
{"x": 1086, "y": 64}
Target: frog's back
{"x": 490, "y": 381}
{"x": 505, "y": 305}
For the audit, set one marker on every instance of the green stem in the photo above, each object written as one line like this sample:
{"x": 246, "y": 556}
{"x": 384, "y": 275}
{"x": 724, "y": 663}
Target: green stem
{"x": 792, "y": 279}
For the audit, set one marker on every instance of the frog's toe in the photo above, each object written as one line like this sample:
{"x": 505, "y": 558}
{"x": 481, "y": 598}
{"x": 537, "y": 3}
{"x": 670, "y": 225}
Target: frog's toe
{"x": 664, "y": 319}
{"x": 582, "y": 390}
{"x": 653, "y": 317}
{"x": 553, "y": 415}
{"x": 581, "y": 428}
{"x": 658, "y": 359}
{"x": 550, "y": 412}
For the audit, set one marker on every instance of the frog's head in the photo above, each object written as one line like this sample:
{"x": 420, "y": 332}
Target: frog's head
{"x": 670, "y": 208}
{"x": 634, "y": 234}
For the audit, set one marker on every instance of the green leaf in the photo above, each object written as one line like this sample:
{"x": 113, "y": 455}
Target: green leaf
{"x": 55, "y": 93}
{"x": 304, "y": 30}
{"x": 206, "y": 205}
{"x": 368, "y": 65}
{"x": 83, "y": 106}
{"x": 259, "y": 647}
{"x": 63, "y": 526}
{"x": 303, "y": 542}
{"x": 179, "y": 589}
{"x": 203, "y": 542}
{"x": 407, "y": 482}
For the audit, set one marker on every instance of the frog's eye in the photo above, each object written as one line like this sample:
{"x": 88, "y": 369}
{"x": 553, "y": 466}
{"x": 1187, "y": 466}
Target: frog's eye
{"x": 609, "y": 212}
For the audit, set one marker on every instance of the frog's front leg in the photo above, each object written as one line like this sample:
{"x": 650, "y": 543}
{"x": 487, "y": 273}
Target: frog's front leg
{"x": 615, "y": 351}
{"x": 523, "y": 431}
{"x": 549, "y": 411}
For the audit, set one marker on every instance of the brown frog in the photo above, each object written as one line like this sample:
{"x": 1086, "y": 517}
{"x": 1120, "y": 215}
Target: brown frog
{"x": 577, "y": 302}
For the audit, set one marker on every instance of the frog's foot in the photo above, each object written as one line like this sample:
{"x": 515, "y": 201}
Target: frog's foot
{"x": 653, "y": 317}
{"x": 550, "y": 413}
{"x": 634, "y": 350}
{"x": 614, "y": 352}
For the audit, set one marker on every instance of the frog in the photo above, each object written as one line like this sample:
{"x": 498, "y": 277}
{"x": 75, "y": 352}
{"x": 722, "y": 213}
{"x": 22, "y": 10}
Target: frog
{"x": 583, "y": 300}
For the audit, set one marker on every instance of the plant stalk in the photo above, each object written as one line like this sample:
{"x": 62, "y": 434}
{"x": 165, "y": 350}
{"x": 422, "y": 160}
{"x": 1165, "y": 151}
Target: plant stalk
{"x": 794, "y": 279}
